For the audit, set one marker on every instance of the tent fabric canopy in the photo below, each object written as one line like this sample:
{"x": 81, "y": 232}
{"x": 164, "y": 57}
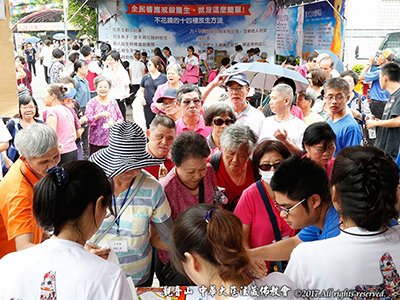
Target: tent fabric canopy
{"x": 286, "y": 3}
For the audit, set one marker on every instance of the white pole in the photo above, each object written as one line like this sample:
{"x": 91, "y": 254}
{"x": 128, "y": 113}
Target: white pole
{"x": 65, "y": 6}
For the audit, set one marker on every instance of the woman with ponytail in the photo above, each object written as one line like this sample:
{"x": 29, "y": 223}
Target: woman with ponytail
{"x": 365, "y": 257}
{"x": 207, "y": 247}
{"x": 60, "y": 118}
{"x": 72, "y": 202}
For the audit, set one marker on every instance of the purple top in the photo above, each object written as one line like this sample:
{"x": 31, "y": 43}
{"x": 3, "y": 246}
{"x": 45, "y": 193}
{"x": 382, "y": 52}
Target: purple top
{"x": 99, "y": 130}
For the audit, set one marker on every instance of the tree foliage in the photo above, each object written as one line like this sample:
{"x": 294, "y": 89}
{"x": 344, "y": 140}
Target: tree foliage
{"x": 85, "y": 19}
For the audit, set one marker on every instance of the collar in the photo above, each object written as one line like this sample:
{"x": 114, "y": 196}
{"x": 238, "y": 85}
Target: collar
{"x": 200, "y": 125}
{"x": 246, "y": 110}
{"x": 27, "y": 173}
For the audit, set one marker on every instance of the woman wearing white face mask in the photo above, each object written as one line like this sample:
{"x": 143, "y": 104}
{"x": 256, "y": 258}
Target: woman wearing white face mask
{"x": 262, "y": 224}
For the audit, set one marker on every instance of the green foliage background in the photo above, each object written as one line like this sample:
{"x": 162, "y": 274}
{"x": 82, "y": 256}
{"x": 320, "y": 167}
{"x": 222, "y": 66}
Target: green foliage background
{"x": 85, "y": 19}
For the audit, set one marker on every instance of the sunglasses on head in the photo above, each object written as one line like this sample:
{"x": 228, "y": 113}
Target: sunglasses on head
{"x": 220, "y": 121}
{"x": 268, "y": 167}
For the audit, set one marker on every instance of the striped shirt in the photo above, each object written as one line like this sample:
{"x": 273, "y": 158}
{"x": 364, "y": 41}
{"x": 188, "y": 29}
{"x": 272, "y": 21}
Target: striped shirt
{"x": 149, "y": 204}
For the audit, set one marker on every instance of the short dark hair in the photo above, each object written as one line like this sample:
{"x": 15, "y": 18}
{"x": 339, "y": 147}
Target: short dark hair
{"x": 365, "y": 181}
{"x": 25, "y": 99}
{"x": 318, "y": 132}
{"x": 55, "y": 205}
{"x": 225, "y": 61}
{"x": 238, "y": 48}
{"x": 73, "y": 57}
{"x": 114, "y": 55}
{"x": 299, "y": 178}
{"x": 21, "y": 59}
{"x": 266, "y": 146}
{"x": 291, "y": 60}
{"x": 218, "y": 109}
{"x": 317, "y": 77}
{"x": 337, "y": 84}
{"x": 86, "y": 50}
{"x": 57, "y": 53}
{"x": 187, "y": 88}
{"x": 190, "y": 48}
{"x": 311, "y": 57}
{"x": 392, "y": 71}
{"x": 352, "y": 74}
{"x": 79, "y": 64}
{"x": 217, "y": 240}
{"x": 189, "y": 145}
{"x": 47, "y": 42}
{"x": 163, "y": 121}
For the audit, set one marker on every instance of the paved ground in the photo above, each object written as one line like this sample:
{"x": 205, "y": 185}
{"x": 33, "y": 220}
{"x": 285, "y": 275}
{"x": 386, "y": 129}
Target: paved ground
{"x": 38, "y": 85}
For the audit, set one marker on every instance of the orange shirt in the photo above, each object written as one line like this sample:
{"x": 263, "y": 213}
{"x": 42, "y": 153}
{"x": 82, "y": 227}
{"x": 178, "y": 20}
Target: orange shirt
{"x": 16, "y": 213}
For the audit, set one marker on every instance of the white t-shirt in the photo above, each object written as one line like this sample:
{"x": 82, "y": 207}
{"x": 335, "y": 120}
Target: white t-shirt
{"x": 294, "y": 127}
{"x": 69, "y": 271}
{"x": 137, "y": 71}
{"x": 171, "y": 60}
{"x": 192, "y": 60}
{"x": 47, "y": 54}
{"x": 253, "y": 118}
{"x": 348, "y": 262}
{"x": 237, "y": 57}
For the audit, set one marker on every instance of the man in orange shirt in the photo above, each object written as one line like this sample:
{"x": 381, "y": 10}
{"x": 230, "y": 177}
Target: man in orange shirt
{"x": 39, "y": 150}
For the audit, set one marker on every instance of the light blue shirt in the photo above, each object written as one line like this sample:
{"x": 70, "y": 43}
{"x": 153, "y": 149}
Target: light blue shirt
{"x": 82, "y": 91}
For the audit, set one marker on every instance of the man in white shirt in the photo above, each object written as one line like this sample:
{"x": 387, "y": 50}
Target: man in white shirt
{"x": 47, "y": 56}
{"x": 284, "y": 126}
{"x": 238, "y": 88}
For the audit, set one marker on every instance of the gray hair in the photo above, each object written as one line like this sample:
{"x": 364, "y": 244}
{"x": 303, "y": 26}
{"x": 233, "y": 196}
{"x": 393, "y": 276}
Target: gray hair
{"x": 176, "y": 68}
{"x": 35, "y": 140}
{"x": 284, "y": 90}
{"x": 236, "y": 135}
{"x": 99, "y": 79}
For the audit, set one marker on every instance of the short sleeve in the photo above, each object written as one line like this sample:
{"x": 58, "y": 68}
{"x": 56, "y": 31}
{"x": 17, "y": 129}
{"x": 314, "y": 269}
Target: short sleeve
{"x": 372, "y": 76}
{"x": 162, "y": 210}
{"x": 244, "y": 208}
{"x": 309, "y": 234}
{"x": 20, "y": 216}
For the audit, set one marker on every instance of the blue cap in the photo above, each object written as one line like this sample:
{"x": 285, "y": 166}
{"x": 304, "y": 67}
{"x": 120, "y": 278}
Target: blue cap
{"x": 168, "y": 94}
{"x": 240, "y": 78}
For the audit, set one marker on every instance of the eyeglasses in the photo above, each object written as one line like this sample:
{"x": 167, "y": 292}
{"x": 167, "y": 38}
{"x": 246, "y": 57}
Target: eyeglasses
{"x": 338, "y": 97}
{"x": 236, "y": 90}
{"x": 220, "y": 121}
{"x": 268, "y": 167}
{"x": 286, "y": 211}
{"x": 187, "y": 102}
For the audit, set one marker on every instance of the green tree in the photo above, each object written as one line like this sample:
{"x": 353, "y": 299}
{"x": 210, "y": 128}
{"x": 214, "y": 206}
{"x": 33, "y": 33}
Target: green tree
{"x": 85, "y": 19}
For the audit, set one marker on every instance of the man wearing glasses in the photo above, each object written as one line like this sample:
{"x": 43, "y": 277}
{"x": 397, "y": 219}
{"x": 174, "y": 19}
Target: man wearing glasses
{"x": 238, "y": 87}
{"x": 303, "y": 199}
{"x": 189, "y": 97}
{"x": 348, "y": 132}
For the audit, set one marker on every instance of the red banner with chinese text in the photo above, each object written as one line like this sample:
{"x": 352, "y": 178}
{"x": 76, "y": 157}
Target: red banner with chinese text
{"x": 189, "y": 10}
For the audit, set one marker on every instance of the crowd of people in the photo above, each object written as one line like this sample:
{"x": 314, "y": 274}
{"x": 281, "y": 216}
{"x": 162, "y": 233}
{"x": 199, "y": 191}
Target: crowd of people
{"x": 215, "y": 193}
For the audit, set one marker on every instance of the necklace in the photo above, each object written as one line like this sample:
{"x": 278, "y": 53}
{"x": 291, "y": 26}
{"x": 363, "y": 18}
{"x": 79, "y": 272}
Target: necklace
{"x": 367, "y": 234}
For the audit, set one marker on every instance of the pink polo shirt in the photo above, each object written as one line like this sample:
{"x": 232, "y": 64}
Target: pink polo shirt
{"x": 201, "y": 127}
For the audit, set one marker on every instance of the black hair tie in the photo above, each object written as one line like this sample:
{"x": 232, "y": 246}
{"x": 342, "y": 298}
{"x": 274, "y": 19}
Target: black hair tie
{"x": 61, "y": 175}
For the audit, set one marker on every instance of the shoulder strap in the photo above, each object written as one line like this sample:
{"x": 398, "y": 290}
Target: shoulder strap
{"x": 215, "y": 160}
{"x": 270, "y": 211}
{"x": 201, "y": 191}
{"x": 359, "y": 103}
{"x": 139, "y": 185}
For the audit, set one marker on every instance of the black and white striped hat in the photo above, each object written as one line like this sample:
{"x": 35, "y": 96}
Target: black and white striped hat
{"x": 126, "y": 151}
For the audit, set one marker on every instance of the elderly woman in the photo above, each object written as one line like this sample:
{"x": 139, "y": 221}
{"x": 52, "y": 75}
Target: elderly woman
{"x": 101, "y": 113}
{"x": 306, "y": 101}
{"x": 71, "y": 202}
{"x": 218, "y": 116}
{"x": 256, "y": 207}
{"x": 60, "y": 118}
{"x": 174, "y": 73}
{"x": 363, "y": 187}
{"x": 28, "y": 115}
{"x": 190, "y": 182}
{"x": 233, "y": 168}
{"x": 319, "y": 144}
{"x": 138, "y": 200}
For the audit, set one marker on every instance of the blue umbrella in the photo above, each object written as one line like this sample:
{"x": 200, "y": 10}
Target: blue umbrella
{"x": 60, "y": 36}
{"x": 338, "y": 63}
{"x": 264, "y": 75}
{"x": 32, "y": 39}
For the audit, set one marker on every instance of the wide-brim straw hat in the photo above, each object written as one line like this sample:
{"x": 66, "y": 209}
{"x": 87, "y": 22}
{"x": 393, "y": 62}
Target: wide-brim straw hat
{"x": 126, "y": 151}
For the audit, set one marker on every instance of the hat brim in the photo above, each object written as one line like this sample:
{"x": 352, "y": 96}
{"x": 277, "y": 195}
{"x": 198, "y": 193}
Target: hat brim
{"x": 239, "y": 81}
{"x": 114, "y": 166}
{"x": 161, "y": 99}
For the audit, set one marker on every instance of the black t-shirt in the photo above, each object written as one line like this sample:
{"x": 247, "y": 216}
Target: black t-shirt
{"x": 388, "y": 139}
{"x": 150, "y": 86}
